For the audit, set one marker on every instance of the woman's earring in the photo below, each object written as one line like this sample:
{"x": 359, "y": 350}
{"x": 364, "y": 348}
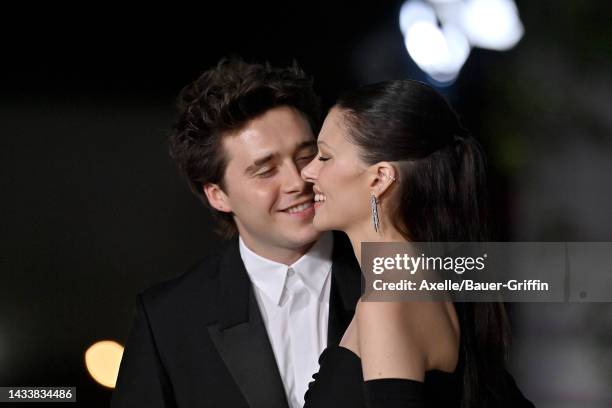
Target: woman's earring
{"x": 374, "y": 211}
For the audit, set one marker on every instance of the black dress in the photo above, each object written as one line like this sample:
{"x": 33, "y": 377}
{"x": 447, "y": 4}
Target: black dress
{"x": 339, "y": 383}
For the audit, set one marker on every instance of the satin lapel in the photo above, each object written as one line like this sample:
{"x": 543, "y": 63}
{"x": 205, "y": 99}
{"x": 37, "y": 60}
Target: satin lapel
{"x": 345, "y": 288}
{"x": 241, "y": 338}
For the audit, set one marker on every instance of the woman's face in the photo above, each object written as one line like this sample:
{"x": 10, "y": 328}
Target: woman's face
{"x": 342, "y": 196}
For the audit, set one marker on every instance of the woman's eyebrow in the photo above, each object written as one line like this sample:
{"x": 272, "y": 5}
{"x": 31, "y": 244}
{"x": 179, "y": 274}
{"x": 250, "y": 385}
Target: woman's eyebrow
{"x": 322, "y": 143}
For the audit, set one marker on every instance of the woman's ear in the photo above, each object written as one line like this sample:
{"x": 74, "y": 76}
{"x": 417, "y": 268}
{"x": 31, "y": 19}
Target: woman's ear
{"x": 383, "y": 175}
{"x": 217, "y": 197}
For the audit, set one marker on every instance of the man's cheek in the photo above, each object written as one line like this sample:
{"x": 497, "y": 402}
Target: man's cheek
{"x": 263, "y": 198}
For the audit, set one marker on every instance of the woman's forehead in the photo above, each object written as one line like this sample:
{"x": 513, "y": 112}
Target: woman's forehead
{"x": 333, "y": 129}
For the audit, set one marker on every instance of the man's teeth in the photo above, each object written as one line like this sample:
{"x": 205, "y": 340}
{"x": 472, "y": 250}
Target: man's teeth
{"x": 299, "y": 208}
{"x": 319, "y": 197}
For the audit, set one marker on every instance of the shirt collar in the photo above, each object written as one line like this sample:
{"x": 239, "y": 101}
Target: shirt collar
{"x": 269, "y": 276}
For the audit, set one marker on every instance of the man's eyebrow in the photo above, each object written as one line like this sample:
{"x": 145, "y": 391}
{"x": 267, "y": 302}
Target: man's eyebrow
{"x": 259, "y": 162}
{"x": 308, "y": 143}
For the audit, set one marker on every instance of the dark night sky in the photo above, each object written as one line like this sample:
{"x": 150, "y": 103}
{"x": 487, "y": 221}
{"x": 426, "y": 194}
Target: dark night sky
{"x": 154, "y": 52}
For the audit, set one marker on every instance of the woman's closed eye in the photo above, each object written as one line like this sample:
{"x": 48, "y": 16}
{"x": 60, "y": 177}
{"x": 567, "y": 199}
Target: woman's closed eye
{"x": 323, "y": 158}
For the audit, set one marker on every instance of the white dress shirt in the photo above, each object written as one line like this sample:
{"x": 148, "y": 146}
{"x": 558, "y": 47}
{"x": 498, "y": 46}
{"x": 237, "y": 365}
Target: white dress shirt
{"x": 294, "y": 304}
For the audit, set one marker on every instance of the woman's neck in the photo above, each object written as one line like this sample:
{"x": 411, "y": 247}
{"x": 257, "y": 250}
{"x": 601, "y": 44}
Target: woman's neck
{"x": 366, "y": 233}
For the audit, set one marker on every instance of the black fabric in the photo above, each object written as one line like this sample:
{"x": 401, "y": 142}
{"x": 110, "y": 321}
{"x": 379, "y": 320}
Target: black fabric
{"x": 199, "y": 340}
{"x": 394, "y": 392}
{"x": 339, "y": 383}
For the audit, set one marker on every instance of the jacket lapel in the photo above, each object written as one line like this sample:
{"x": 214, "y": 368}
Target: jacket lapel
{"x": 241, "y": 338}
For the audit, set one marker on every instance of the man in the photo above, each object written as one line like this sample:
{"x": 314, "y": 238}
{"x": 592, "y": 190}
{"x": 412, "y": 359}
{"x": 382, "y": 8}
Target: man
{"x": 244, "y": 327}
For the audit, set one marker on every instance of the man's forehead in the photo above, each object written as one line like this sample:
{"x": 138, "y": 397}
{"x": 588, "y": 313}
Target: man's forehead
{"x": 253, "y": 141}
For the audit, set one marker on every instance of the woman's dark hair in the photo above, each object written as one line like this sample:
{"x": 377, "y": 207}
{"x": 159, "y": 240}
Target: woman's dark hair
{"x": 442, "y": 198}
{"x": 223, "y": 99}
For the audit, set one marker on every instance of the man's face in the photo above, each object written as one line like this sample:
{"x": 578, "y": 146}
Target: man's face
{"x": 272, "y": 205}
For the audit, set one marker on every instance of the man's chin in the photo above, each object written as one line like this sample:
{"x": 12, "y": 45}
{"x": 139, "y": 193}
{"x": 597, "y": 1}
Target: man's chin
{"x": 307, "y": 237}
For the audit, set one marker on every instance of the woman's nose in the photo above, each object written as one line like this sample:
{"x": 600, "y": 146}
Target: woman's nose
{"x": 308, "y": 172}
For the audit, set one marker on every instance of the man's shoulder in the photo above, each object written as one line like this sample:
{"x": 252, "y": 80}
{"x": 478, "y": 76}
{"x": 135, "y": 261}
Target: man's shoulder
{"x": 201, "y": 274}
{"x": 195, "y": 288}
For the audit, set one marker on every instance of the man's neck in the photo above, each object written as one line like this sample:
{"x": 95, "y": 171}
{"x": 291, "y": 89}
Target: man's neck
{"x": 285, "y": 256}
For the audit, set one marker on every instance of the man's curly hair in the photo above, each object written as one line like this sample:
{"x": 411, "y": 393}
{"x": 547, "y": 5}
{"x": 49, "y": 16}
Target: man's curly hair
{"x": 223, "y": 99}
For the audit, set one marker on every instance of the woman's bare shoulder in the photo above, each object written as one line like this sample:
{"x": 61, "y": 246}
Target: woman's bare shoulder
{"x": 408, "y": 337}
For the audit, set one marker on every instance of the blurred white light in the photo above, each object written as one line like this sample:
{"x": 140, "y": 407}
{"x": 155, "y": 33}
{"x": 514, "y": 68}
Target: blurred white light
{"x": 102, "y": 360}
{"x": 426, "y": 44}
{"x": 439, "y": 52}
{"x": 458, "y": 52}
{"x": 439, "y": 34}
{"x": 413, "y": 12}
{"x": 492, "y": 24}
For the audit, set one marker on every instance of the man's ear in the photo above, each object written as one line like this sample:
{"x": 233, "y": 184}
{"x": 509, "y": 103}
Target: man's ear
{"x": 217, "y": 197}
{"x": 382, "y": 176}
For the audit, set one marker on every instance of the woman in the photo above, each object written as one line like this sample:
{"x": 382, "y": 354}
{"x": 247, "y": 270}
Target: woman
{"x": 395, "y": 164}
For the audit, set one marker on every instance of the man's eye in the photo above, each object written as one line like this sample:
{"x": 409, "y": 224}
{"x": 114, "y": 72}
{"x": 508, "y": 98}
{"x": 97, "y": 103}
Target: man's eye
{"x": 321, "y": 158}
{"x": 310, "y": 157}
{"x": 266, "y": 173}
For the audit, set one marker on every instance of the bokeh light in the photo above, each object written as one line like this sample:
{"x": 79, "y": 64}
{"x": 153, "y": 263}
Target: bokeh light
{"x": 439, "y": 35}
{"x": 102, "y": 360}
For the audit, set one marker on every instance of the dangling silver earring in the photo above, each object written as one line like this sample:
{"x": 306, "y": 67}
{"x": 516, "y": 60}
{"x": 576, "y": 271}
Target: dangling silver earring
{"x": 374, "y": 211}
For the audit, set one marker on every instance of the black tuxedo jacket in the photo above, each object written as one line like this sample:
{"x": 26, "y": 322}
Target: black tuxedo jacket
{"x": 199, "y": 340}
